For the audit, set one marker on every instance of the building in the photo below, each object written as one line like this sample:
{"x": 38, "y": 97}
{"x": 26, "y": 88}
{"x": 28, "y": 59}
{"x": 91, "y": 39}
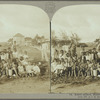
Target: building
{"x": 18, "y": 39}
{"x": 28, "y": 41}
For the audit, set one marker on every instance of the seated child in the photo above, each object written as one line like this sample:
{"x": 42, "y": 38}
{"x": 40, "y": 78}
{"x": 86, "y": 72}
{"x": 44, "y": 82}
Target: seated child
{"x": 21, "y": 71}
{"x": 53, "y": 65}
{"x": 29, "y": 69}
{"x": 59, "y": 67}
{"x": 36, "y": 69}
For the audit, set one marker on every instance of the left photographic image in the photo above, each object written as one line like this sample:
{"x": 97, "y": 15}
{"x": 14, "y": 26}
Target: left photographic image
{"x": 24, "y": 49}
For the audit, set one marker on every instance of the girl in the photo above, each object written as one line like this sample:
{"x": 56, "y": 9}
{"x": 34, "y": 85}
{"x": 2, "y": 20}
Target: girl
{"x": 29, "y": 70}
{"x": 36, "y": 69}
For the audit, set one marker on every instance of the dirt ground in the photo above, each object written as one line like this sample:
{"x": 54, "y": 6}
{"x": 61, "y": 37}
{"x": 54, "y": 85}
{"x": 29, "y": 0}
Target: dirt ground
{"x": 84, "y": 86}
{"x": 25, "y": 85}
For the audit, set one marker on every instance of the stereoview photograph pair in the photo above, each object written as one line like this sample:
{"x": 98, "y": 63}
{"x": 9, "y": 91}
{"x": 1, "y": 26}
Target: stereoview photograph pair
{"x": 35, "y": 58}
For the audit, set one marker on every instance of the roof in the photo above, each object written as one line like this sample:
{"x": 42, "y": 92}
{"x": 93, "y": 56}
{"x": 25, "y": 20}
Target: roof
{"x": 18, "y": 35}
{"x": 28, "y": 39}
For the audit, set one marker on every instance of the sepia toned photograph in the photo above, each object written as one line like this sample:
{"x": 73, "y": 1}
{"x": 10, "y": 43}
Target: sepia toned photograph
{"x": 24, "y": 49}
{"x": 75, "y": 49}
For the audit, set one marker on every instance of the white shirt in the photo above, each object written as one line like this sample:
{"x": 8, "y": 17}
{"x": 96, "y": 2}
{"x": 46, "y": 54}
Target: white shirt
{"x": 99, "y": 54}
{"x": 87, "y": 57}
{"x": 65, "y": 48}
{"x": 44, "y": 46}
{"x": 25, "y": 56}
{"x": 24, "y": 62}
{"x": 59, "y": 66}
{"x": 15, "y": 54}
{"x": 2, "y": 57}
{"x": 53, "y": 66}
{"x": 29, "y": 69}
{"x": 61, "y": 56}
{"x": 20, "y": 69}
{"x": 36, "y": 69}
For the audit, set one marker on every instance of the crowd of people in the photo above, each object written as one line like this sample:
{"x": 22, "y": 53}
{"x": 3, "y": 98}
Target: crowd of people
{"x": 13, "y": 64}
{"x": 68, "y": 62}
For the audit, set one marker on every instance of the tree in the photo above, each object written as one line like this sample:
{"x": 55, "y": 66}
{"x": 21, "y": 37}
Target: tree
{"x": 75, "y": 38}
{"x": 64, "y": 35}
{"x": 97, "y": 41}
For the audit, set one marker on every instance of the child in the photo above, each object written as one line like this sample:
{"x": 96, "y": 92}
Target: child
{"x": 87, "y": 56}
{"x": 15, "y": 54}
{"x": 3, "y": 67}
{"x": 36, "y": 69}
{"x": 95, "y": 69}
{"x": 98, "y": 70}
{"x": 9, "y": 54}
{"x": 56, "y": 54}
{"x": 21, "y": 71}
{"x": 60, "y": 67}
{"x": 2, "y": 55}
{"x": 6, "y": 67}
{"x": 53, "y": 65}
{"x": 90, "y": 67}
{"x": 25, "y": 56}
{"x": 66, "y": 67}
{"x": 69, "y": 68}
{"x": 76, "y": 69}
{"x": 82, "y": 69}
{"x": 14, "y": 71}
{"x": 29, "y": 69}
{"x": 61, "y": 55}
{"x": 9, "y": 71}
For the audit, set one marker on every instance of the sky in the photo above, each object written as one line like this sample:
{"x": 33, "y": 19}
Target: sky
{"x": 24, "y": 19}
{"x": 84, "y": 20}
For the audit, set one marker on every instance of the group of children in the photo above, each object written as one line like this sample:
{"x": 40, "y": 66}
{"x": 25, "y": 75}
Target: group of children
{"x": 85, "y": 64}
{"x": 13, "y": 64}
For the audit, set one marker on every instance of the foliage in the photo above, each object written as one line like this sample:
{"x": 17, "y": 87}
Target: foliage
{"x": 37, "y": 40}
{"x": 64, "y": 39}
{"x": 82, "y": 45}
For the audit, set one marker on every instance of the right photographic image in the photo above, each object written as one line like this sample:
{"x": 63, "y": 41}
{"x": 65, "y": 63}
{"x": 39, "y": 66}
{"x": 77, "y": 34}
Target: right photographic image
{"x": 75, "y": 49}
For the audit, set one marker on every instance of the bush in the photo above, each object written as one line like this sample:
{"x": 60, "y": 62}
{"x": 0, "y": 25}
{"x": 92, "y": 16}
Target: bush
{"x": 82, "y": 45}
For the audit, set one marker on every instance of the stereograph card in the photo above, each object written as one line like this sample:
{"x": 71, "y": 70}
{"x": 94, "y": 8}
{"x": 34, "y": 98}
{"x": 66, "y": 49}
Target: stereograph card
{"x": 49, "y": 49}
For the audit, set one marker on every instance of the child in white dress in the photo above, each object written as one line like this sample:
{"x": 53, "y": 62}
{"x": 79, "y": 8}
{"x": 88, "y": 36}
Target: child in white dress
{"x": 36, "y": 69}
{"x": 21, "y": 70}
{"x": 29, "y": 69}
